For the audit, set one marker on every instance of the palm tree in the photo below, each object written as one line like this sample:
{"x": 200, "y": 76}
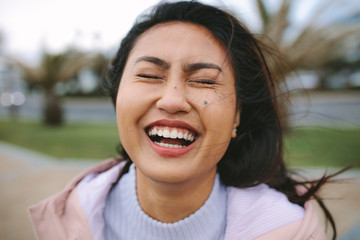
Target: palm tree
{"x": 317, "y": 44}
{"x": 53, "y": 68}
{"x": 101, "y": 62}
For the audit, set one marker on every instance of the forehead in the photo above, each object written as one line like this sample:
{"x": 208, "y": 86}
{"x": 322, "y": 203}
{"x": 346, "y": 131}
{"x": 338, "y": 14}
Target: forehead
{"x": 179, "y": 41}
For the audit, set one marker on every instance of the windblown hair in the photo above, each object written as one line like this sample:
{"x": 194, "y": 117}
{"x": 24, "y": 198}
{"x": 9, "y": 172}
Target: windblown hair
{"x": 255, "y": 156}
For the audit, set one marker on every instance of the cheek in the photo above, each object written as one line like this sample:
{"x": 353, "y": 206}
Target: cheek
{"x": 130, "y": 101}
{"x": 219, "y": 113}
{"x": 219, "y": 118}
{"x": 127, "y": 112}
{"x": 132, "y": 104}
{"x": 123, "y": 105}
{"x": 217, "y": 102}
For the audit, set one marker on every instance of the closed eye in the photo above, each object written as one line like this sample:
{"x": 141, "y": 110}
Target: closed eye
{"x": 147, "y": 76}
{"x": 205, "y": 81}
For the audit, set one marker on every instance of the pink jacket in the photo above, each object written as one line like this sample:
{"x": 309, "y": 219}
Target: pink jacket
{"x": 63, "y": 217}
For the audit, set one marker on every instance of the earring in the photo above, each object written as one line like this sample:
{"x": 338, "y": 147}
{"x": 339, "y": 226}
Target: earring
{"x": 233, "y": 135}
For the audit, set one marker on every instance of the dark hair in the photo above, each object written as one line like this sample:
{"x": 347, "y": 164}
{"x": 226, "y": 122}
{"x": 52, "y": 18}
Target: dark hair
{"x": 255, "y": 155}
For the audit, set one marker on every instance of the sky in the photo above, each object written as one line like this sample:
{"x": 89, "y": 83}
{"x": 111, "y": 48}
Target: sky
{"x": 29, "y": 26}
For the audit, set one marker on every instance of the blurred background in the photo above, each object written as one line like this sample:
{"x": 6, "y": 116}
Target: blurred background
{"x": 55, "y": 120}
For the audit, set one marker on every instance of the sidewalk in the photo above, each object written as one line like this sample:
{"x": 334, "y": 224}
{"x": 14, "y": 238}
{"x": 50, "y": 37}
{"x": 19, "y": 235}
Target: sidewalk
{"x": 27, "y": 177}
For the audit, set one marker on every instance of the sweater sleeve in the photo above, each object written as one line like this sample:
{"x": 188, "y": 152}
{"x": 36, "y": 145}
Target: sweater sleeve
{"x": 257, "y": 211}
{"x": 62, "y": 220}
{"x": 62, "y": 216}
{"x": 307, "y": 229}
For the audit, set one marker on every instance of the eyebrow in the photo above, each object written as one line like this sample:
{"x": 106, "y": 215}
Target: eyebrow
{"x": 193, "y": 67}
{"x": 198, "y": 66}
{"x": 157, "y": 61}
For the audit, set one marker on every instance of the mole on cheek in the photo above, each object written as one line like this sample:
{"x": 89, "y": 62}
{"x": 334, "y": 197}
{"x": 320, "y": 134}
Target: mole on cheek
{"x": 205, "y": 102}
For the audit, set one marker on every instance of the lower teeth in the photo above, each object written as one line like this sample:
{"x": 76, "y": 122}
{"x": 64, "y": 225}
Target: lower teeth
{"x": 169, "y": 145}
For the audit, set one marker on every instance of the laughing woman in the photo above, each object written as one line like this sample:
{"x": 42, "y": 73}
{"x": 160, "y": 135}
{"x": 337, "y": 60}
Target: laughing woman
{"x": 199, "y": 124}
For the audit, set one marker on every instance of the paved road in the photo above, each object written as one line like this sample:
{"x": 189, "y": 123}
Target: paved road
{"x": 25, "y": 178}
{"x": 316, "y": 109}
{"x": 337, "y": 108}
{"x": 75, "y": 109}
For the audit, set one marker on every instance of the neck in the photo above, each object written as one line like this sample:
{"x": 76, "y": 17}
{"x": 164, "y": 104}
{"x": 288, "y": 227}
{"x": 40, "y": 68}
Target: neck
{"x": 171, "y": 202}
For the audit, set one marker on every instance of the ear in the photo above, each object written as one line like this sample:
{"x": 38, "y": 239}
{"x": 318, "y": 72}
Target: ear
{"x": 236, "y": 123}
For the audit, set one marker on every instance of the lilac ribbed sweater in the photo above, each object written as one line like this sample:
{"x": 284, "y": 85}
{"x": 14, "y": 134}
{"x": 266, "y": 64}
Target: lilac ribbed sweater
{"x": 124, "y": 218}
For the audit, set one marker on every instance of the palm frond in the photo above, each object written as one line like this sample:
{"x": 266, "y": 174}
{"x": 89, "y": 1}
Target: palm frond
{"x": 33, "y": 75}
{"x": 71, "y": 67}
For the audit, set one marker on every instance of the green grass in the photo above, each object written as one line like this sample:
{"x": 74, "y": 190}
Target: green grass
{"x": 329, "y": 147}
{"x": 88, "y": 141}
{"x": 303, "y": 146}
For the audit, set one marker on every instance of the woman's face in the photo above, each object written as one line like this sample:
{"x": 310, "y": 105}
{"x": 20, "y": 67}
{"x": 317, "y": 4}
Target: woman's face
{"x": 176, "y": 103}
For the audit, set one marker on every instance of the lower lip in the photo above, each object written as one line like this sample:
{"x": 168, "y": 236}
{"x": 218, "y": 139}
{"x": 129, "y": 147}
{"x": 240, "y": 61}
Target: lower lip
{"x": 170, "y": 152}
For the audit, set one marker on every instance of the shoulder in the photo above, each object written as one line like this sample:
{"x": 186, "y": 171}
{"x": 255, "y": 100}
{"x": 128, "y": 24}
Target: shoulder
{"x": 258, "y": 210}
{"x": 57, "y": 216}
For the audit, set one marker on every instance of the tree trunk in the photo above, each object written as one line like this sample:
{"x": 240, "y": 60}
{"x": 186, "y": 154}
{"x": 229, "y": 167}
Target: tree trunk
{"x": 322, "y": 80}
{"x": 53, "y": 115}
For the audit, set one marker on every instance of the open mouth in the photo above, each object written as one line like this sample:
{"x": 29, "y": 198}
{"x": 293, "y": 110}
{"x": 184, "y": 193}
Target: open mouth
{"x": 171, "y": 137}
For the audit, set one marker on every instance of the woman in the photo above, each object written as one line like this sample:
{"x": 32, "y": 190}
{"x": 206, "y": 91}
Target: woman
{"x": 199, "y": 124}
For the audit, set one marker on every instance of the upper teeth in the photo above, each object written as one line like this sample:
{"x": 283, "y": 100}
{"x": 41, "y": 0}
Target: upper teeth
{"x": 173, "y": 133}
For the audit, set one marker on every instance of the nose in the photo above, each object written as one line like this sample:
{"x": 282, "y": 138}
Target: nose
{"x": 173, "y": 99}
